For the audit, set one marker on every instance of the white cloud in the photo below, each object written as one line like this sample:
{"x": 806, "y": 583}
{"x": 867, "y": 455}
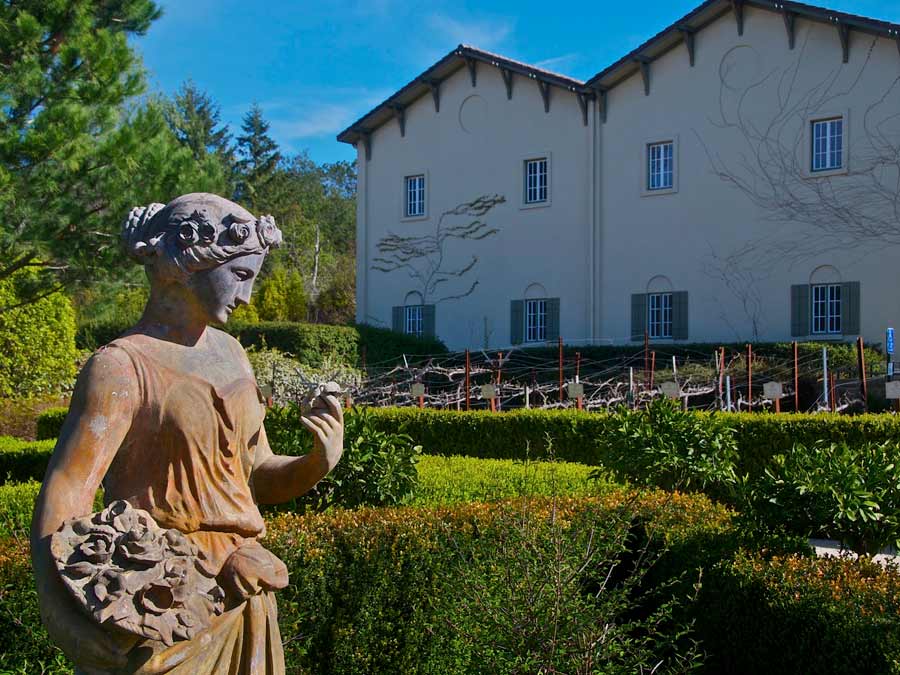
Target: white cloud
{"x": 557, "y": 62}
{"x": 336, "y": 110}
{"x": 487, "y": 34}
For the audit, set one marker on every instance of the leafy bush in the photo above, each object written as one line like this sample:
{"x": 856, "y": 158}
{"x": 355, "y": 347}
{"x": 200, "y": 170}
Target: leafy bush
{"x": 440, "y": 481}
{"x": 377, "y": 468}
{"x": 18, "y": 417}
{"x": 373, "y": 591}
{"x": 17, "y": 508}
{"x": 794, "y": 614}
{"x": 49, "y": 423}
{"x": 849, "y": 493}
{"x": 290, "y": 379}
{"x": 559, "y": 592}
{"x": 37, "y": 341}
{"x": 22, "y": 461}
{"x": 450, "y": 480}
{"x": 576, "y": 434}
{"x": 667, "y": 447}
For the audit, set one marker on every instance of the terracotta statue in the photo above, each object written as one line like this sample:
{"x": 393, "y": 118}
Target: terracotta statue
{"x": 172, "y": 577}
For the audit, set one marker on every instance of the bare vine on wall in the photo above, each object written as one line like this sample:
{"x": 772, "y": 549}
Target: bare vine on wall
{"x": 425, "y": 258}
{"x": 856, "y": 209}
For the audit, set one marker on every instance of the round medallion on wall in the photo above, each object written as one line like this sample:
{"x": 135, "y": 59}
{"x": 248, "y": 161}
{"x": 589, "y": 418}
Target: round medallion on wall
{"x": 473, "y": 114}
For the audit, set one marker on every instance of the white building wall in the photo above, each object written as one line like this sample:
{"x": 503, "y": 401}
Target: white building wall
{"x": 686, "y": 235}
{"x": 601, "y": 238}
{"x": 477, "y": 145}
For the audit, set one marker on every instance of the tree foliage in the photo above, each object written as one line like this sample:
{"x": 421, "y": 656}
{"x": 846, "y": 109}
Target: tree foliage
{"x": 258, "y": 157}
{"x": 77, "y": 148}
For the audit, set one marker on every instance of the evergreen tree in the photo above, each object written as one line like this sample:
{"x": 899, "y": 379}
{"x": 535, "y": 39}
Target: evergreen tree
{"x": 258, "y": 158}
{"x": 195, "y": 119}
{"x": 75, "y": 153}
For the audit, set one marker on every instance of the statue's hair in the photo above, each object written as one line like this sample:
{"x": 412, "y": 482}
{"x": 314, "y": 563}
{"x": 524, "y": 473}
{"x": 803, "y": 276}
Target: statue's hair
{"x": 195, "y": 232}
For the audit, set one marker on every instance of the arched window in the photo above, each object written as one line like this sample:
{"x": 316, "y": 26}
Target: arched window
{"x": 535, "y": 318}
{"x": 660, "y": 313}
{"x": 826, "y": 305}
{"x": 414, "y": 317}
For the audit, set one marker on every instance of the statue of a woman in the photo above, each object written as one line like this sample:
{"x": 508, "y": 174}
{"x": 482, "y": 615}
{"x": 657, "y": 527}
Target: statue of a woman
{"x": 169, "y": 418}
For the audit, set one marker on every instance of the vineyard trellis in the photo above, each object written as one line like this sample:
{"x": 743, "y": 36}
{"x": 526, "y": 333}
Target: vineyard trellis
{"x": 701, "y": 380}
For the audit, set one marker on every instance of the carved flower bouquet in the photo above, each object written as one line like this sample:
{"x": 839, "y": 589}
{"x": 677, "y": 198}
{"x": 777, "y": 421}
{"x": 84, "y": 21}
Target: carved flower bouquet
{"x": 128, "y": 572}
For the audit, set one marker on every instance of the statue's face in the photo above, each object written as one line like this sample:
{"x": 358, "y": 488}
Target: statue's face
{"x": 221, "y": 289}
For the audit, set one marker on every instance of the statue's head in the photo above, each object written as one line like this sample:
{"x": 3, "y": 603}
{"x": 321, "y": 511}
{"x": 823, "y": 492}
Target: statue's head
{"x": 208, "y": 244}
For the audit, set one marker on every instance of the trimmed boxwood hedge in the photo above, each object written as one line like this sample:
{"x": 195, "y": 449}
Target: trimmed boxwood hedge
{"x": 574, "y": 434}
{"x": 311, "y": 343}
{"x": 373, "y": 591}
{"x": 22, "y": 461}
{"x": 514, "y": 434}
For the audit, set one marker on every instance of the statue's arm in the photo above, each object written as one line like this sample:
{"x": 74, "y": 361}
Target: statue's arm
{"x": 99, "y": 417}
{"x": 278, "y": 478}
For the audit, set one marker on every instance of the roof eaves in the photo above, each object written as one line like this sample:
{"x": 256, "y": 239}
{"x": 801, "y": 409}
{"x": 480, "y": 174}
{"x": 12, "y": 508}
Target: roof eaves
{"x": 419, "y": 87}
{"x": 689, "y": 21}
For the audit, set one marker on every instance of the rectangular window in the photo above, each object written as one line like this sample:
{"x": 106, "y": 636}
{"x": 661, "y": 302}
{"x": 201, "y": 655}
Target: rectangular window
{"x": 413, "y": 323}
{"x": 536, "y": 180}
{"x": 826, "y": 309}
{"x": 660, "y": 166}
{"x": 828, "y": 144}
{"x": 659, "y": 315}
{"x": 415, "y": 196}
{"x": 535, "y": 320}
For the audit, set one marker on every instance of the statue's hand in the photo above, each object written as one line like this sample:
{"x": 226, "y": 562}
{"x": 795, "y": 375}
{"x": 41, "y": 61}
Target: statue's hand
{"x": 327, "y": 428}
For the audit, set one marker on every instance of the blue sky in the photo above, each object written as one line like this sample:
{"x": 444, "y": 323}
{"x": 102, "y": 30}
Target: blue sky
{"x": 315, "y": 67}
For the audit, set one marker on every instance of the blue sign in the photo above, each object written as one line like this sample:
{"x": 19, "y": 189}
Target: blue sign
{"x": 890, "y": 340}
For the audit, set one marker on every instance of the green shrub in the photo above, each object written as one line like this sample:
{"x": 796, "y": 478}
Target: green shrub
{"x": 290, "y": 379}
{"x": 17, "y": 507}
{"x": 312, "y": 343}
{"x": 835, "y": 490}
{"x": 378, "y": 467}
{"x": 759, "y": 436}
{"x": 668, "y": 447}
{"x": 22, "y": 461}
{"x": 378, "y": 591}
{"x": 37, "y": 341}
{"x": 450, "y": 480}
{"x": 796, "y": 614}
{"x": 49, "y": 423}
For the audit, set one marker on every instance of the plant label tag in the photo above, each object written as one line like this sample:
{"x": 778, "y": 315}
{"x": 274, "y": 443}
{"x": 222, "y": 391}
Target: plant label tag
{"x": 892, "y": 390}
{"x": 575, "y": 389}
{"x": 773, "y": 390}
{"x": 488, "y": 391}
{"x": 670, "y": 389}
{"x": 418, "y": 389}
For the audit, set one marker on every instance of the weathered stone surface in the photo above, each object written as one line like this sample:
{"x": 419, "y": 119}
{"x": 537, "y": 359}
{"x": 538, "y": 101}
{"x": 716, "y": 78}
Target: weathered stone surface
{"x": 129, "y": 573}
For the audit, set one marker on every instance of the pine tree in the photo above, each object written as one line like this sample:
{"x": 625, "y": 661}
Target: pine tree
{"x": 75, "y": 151}
{"x": 258, "y": 157}
{"x": 195, "y": 119}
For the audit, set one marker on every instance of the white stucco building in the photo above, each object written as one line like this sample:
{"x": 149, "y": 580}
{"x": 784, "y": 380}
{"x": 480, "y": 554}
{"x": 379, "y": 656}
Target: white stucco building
{"x": 736, "y": 177}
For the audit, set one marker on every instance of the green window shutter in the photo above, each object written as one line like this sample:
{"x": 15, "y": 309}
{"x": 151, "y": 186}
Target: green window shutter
{"x": 516, "y": 321}
{"x": 428, "y": 320}
{"x": 801, "y": 311}
{"x": 638, "y": 316}
{"x": 680, "y": 315}
{"x": 850, "y": 308}
{"x": 552, "y": 319}
{"x": 397, "y": 319}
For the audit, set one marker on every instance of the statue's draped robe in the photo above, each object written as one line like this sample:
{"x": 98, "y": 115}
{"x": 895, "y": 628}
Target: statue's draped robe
{"x": 187, "y": 460}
